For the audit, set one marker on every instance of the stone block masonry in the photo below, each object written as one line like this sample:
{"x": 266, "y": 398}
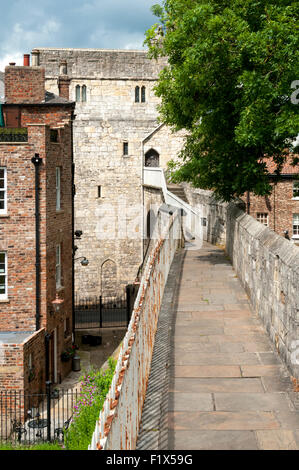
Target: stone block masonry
{"x": 267, "y": 265}
{"x": 109, "y": 193}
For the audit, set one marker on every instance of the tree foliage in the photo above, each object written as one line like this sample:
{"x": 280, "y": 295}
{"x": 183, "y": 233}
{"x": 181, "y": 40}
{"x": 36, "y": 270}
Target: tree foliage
{"x": 228, "y": 82}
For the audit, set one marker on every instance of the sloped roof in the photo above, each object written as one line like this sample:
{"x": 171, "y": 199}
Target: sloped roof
{"x": 287, "y": 169}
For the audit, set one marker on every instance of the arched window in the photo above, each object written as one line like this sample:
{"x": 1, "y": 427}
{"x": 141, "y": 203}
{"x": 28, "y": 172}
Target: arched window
{"x": 109, "y": 278}
{"x": 152, "y": 158}
{"x": 143, "y": 94}
{"x": 137, "y": 94}
{"x": 84, "y": 93}
{"x": 78, "y": 93}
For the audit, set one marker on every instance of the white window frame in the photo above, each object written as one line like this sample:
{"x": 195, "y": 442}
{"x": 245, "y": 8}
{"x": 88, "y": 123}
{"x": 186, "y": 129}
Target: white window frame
{"x": 295, "y": 183}
{"x": 58, "y": 266}
{"x": 5, "y": 295}
{"x": 4, "y": 210}
{"x": 296, "y": 235}
{"x": 262, "y": 216}
{"x": 58, "y": 188}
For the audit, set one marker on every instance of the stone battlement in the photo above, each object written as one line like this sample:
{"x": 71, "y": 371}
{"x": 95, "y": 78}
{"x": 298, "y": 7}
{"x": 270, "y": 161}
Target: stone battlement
{"x": 99, "y": 63}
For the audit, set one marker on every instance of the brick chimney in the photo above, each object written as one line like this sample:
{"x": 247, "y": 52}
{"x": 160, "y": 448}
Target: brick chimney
{"x": 64, "y": 81}
{"x": 24, "y": 84}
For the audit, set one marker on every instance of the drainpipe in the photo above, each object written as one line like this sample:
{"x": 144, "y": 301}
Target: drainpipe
{"x": 248, "y": 202}
{"x": 73, "y": 227}
{"x": 36, "y": 160}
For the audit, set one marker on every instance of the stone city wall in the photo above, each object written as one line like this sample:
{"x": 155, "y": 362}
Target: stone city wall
{"x": 267, "y": 265}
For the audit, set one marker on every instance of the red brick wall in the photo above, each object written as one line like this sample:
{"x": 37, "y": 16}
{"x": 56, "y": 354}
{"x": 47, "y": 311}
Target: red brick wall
{"x": 11, "y": 367}
{"x": 280, "y": 206}
{"x": 34, "y": 380}
{"x": 17, "y": 229}
{"x": 24, "y": 84}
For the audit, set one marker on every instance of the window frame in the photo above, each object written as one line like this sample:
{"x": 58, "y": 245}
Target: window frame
{"x": 295, "y": 235}
{"x": 137, "y": 94}
{"x": 262, "y": 216}
{"x": 5, "y": 275}
{"x": 83, "y": 93}
{"x": 125, "y": 148}
{"x": 143, "y": 94}
{"x": 58, "y": 187}
{"x": 78, "y": 93}
{"x": 4, "y": 189}
{"x": 296, "y": 183}
{"x": 58, "y": 271}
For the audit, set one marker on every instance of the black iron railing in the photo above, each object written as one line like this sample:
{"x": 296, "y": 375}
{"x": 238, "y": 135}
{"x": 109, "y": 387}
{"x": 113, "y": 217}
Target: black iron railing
{"x": 35, "y": 418}
{"x": 13, "y": 135}
{"x": 105, "y": 311}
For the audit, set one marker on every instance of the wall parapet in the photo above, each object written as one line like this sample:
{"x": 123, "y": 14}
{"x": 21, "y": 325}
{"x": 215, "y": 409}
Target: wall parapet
{"x": 266, "y": 263}
{"x": 119, "y": 421}
{"x": 268, "y": 267}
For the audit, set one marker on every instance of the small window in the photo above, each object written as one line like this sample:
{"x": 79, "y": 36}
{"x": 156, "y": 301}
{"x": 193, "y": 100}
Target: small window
{"x": 78, "y": 93}
{"x": 3, "y": 191}
{"x": 125, "y": 148}
{"x": 296, "y": 225}
{"x": 58, "y": 266}
{"x": 262, "y": 217}
{"x": 137, "y": 94}
{"x": 296, "y": 190}
{"x": 143, "y": 94}
{"x": 84, "y": 95}
{"x": 67, "y": 330}
{"x": 58, "y": 188}
{"x": 99, "y": 191}
{"x": 3, "y": 275}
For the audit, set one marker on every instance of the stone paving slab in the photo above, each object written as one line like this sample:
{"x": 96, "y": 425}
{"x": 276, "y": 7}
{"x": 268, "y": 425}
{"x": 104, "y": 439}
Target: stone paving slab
{"x": 217, "y": 382}
{"x": 213, "y": 440}
{"x": 222, "y": 420}
{"x": 214, "y": 385}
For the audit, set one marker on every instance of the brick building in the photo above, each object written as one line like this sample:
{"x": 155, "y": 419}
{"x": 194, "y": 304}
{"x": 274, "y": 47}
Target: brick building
{"x": 36, "y": 230}
{"x": 280, "y": 210}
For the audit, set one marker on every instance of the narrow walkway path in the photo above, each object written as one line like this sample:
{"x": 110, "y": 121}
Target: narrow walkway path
{"x": 227, "y": 387}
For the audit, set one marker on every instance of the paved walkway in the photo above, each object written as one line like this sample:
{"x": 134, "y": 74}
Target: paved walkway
{"x": 226, "y": 386}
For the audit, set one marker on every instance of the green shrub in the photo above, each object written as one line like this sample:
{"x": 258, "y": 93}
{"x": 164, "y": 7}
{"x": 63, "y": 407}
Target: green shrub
{"x": 94, "y": 388}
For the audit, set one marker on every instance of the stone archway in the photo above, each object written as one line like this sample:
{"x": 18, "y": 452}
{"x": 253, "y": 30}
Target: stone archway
{"x": 152, "y": 158}
{"x": 108, "y": 278}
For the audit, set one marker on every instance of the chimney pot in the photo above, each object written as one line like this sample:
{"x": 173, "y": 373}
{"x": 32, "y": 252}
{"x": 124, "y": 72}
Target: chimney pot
{"x": 26, "y": 60}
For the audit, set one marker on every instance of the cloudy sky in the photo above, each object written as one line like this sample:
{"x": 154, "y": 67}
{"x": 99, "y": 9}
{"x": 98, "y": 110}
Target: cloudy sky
{"x": 107, "y": 24}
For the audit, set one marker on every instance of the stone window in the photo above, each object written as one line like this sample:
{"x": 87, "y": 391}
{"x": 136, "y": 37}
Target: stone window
{"x": 99, "y": 191}
{"x": 78, "y": 93}
{"x": 81, "y": 93}
{"x": 58, "y": 266}
{"x": 143, "y": 94}
{"x": 137, "y": 94}
{"x": 152, "y": 158}
{"x": 3, "y": 275}
{"x": 296, "y": 190}
{"x": 58, "y": 188}
{"x": 84, "y": 93}
{"x": 296, "y": 225}
{"x": 3, "y": 191}
{"x": 262, "y": 217}
{"x": 125, "y": 148}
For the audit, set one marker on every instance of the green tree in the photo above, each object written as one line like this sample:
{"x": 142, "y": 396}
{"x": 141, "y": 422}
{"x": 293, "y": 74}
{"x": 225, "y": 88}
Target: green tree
{"x": 231, "y": 68}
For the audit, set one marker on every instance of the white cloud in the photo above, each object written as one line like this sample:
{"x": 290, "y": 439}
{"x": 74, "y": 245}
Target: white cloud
{"x": 16, "y": 57}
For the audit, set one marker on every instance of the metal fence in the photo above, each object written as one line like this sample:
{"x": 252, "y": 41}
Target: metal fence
{"x": 35, "y": 418}
{"x": 105, "y": 312}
